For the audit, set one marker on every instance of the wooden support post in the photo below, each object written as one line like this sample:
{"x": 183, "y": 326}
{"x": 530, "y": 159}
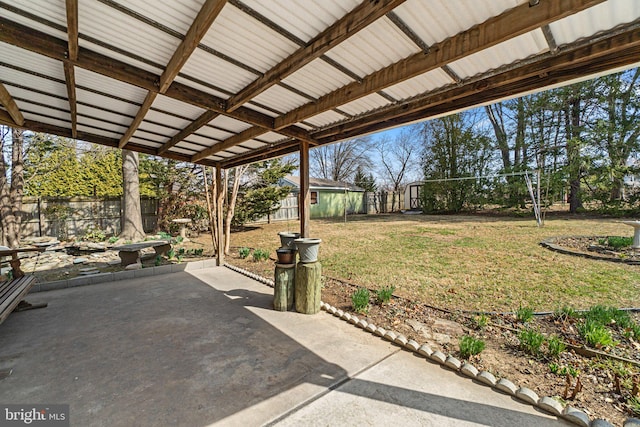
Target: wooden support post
{"x": 308, "y": 287}
{"x": 283, "y": 295}
{"x": 219, "y": 220}
{"x": 305, "y": 195}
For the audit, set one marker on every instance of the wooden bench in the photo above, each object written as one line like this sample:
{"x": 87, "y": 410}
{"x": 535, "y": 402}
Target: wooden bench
{"x": 130, "y": 254}
{"x": 12, "y": 291}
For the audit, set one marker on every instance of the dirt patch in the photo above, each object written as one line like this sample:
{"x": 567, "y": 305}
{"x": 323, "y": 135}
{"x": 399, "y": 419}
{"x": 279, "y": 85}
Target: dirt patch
{"x": 606, "y": 384}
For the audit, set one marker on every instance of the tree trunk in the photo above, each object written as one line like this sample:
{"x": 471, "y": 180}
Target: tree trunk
{"x": 131, "y": 212}
{"x": 17, "y": 187}
{"x": 5, "y": 198}
{"x": 573, "y": 153}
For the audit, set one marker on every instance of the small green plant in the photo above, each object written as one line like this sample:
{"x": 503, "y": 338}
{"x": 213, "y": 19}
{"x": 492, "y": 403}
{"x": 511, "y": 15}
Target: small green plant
{"x": 554, "y": 368}
{"x": 171, "y": 253}
{"x": 481, "y": 321}
{"x": 618, "y": 242}
{"x": 260, "y": 254}
{"x": 555, "y": 346}
{"x": 565, "y": 313}
{"x": 360, "y": 300}
{"x": 595, "y": 334}
{"x": 470, "y": 346}
{"x": 531, "y": 341}
{"x": 563, "y": 371}
{"x": 94, "y": 235}
{"x": 634, "y": 404}
{"x": 244, "y": 252}
{"x": 179, "y": 258}
{"x": 112, "y": 239}
{"x": 524, "y": 314}
{"x": 163, "y": 235}
{"x": 384, "y": 294}
{"x": 181, "y": 251}
{"x": 198, "y": 252}
{"x": 158, "y": 261}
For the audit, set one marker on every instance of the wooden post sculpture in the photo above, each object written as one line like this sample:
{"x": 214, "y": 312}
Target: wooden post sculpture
{"x": 308, "y": 287}
{"x": 283, "y": 295}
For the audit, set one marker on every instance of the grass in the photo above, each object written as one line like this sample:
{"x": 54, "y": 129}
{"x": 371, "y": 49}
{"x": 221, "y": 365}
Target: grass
{"x": 360, "y": 300}
{"x": 531, "y": 341}
{"x": 465, "y": 262}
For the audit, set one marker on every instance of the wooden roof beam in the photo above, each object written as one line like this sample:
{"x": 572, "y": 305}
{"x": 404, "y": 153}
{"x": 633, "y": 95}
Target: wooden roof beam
{"x": 201, "y": 24}
{"x": 13, "y": 112}
{"x": 205, "y": 118}
{"x": 493, "y": 31}
{"x": 144, "y": 109}
{"x": 359, "y": 18}
{"x": 72, "y": 28}
{"x": 70, "y": 79}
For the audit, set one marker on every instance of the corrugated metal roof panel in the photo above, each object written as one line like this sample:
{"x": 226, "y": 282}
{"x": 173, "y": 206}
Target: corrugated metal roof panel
{"x": 103, "y": 101}
{"x": 364, "y": 104}
{"x": 237, "y": 150}
{"x": 502, "y": 54}
{"x": 116, "y": 129}
{"x": 93, "y": 130}
{"x": 31, "y": 61}
{"x": 145, "y": 142}
{"x": 156, "y": 128}
{"x": 209, "y": 68}
{"x": 271, "y": 137}
{"x": 167, "y": 119}
{"x": 49, "y": 10}
{"x": 217, "y": 134}
{"x": 241, "y": 37}
{"x": 229, "y": 123}
{"x": 375, "y": 47}
{"x": 118, "y": 29}
{"x": 303, "y": 18}
{"x": 177, "y": 107}
{"x": 435, "y": 20}
{"x": 252, "y": 143}
{"x": 177, "y": 15}
{"x": 203, "y": 88}
{"x": 420, "y": 84}
{"x": 224, "y": 154}
{"x": 280, "y": 99}
{"x": 120, "y": 119}
{"x": 28, "y": 95}
{"x": 317, "y": 78}
{"x": 593, "y": 20}
{"x": 261, "y": 110}
{"x": 37, "y": 109}
{"x": 304, "y": 126}
{"x": 120, "y": 57}
{"x": 140, "y": 133}
{"x": 179, "y": 150}
{"x": 9, "y": 75}
{"x": 206, "y": 142}
{"x": 189, "y": 146}
{"x": 325, "y": 118}
{"x": 106, "y": 84}
{"x": 47, "y": 120}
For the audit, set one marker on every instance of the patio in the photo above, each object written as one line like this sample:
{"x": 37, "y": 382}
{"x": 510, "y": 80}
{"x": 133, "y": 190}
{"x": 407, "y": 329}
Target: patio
{"x": 205, "y": 347}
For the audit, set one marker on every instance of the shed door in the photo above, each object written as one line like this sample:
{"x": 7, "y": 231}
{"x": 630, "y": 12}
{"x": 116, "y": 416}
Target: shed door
{"x": 414, "y": 196}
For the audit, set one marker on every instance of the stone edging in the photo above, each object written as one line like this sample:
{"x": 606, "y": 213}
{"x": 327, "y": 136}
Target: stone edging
{"x": 523, "y": 394}
{"x": 122, "y": 275}
{"x": 550, "y": 244}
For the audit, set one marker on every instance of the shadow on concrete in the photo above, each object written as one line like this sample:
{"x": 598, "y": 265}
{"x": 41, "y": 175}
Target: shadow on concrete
{"x": 172, "y": 350}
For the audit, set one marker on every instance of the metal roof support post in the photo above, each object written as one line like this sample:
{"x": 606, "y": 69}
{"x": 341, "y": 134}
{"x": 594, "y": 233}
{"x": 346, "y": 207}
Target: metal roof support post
{"x": 219, "y": 219}
{"x": 305, "y": 195}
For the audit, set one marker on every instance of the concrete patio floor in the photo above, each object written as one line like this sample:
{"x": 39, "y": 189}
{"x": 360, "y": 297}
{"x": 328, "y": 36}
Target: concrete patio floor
{"x": 204, "y": 348}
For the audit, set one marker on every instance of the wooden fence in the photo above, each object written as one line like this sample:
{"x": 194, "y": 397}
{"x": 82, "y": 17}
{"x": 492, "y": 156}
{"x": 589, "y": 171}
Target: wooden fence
{"x": 72, "y": 217}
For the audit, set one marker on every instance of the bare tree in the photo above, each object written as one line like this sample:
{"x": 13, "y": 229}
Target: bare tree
{"x": 238, "y": 173}
{"x": 131, "y": 213}
{"x": 398, "y": 157}
{"x": 11, "y": 192}
{"x": 339, "y": 162}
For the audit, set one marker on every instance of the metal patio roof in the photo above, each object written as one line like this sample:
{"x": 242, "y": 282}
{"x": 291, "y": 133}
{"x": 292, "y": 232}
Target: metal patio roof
{"x": 224, "y": 83}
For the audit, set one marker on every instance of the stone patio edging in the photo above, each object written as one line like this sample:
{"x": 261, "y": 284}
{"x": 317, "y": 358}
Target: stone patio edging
{"x": 523, "y": 394}
{"x": 95, "y": 279}
{"x": 550, "y": 244}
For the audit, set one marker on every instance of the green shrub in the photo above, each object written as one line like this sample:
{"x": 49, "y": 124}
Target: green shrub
{"x": 360, "y": 300}
{"x": 244, "y": 252}
{"x": 617, "y": 242}
{"x": 158, "y": 260}
{"x": 555, "y": 346}
{"x": 524, "y": 314}
{"x": 470, "y": 346}
{"x": 531, "y": 341}
{"x": 607, "y": 315}
{"x": 595, "y": 334}
{"x": 171, "y": 253}
{"x": 384, "y": 294}
{"x": 112, "y": 239}
{"x": 94, "y": 235}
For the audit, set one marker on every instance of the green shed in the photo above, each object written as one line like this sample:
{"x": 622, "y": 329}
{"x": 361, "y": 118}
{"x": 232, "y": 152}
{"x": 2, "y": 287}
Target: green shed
{"x": 330, "y": 198}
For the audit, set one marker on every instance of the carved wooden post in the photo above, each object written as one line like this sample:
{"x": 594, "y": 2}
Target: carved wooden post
{"x": 308, "y": 287}
{"x": 283, "y": 295}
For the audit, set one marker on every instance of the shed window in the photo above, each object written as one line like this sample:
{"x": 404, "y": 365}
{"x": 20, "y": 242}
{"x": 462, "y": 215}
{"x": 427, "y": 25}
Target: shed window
{"x": 314, "y": 197}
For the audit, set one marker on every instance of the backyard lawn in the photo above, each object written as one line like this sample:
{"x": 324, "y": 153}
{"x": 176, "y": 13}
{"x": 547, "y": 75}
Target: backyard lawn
{"x": 465, "y": 262}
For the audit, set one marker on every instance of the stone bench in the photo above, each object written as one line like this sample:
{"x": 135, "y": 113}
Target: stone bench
{"x": 130, "y": 254}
